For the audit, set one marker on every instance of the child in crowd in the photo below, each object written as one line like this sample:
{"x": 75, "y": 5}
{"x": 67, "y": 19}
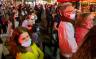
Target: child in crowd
{"x": 25, "y": 48}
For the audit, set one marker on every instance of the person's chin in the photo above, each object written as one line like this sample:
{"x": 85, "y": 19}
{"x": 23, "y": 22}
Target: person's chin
{"x": 29, "y": 28}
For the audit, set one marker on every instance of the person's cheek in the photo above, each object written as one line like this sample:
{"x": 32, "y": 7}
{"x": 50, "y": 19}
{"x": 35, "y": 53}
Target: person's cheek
{"x": 29, "y": 16}
{"x": 20, "y": 41}
{"x": 67, "y": 15}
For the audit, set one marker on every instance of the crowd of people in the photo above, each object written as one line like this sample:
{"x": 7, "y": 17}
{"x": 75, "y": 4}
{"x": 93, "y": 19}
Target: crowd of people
{"x": 29, "y": 29}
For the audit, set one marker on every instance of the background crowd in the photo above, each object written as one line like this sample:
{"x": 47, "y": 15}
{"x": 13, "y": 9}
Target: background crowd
{"x": 38, "y": 32}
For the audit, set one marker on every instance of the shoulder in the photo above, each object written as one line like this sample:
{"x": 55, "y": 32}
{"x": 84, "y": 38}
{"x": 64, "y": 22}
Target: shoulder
{"x": 33, "y": 45}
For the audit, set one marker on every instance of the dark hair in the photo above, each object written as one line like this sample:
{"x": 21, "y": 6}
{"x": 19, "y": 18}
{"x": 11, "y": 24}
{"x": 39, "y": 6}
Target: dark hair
{"x": 29, "y": 13}
{"x": 16, "y": 34}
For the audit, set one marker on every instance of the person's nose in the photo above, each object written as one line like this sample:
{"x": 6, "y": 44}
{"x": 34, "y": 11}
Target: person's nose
{"x": 27, "y": 39}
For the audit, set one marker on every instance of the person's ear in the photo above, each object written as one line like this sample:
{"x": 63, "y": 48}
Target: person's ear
{"x": 60, "y": 12}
